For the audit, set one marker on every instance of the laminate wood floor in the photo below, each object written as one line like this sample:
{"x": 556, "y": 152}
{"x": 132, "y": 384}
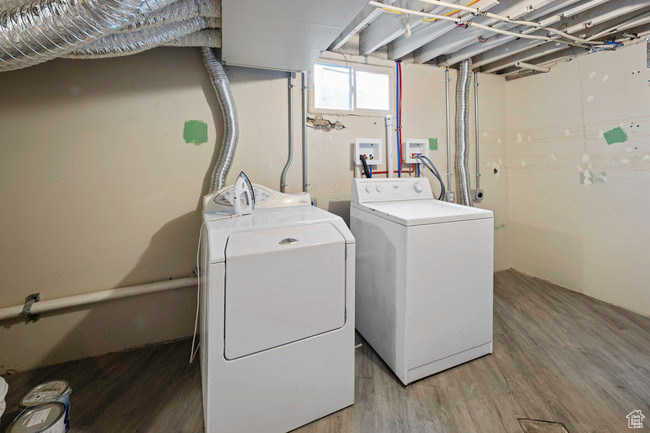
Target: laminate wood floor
{"x": 558, "y": 356}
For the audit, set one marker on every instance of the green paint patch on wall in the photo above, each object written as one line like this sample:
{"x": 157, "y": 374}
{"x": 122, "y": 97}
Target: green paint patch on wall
{"x": 195, "y": 131}
{"x": 433, "y": 143}
{"x": 616, "y": 135}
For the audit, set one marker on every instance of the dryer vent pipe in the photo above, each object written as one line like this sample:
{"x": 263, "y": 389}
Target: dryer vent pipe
{"x": 230, "y": 120}
{"x": 462, "y": 128}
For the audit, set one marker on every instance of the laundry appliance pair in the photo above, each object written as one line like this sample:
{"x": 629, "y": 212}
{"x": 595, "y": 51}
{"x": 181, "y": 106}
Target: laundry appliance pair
{"x": 277, "y": 296}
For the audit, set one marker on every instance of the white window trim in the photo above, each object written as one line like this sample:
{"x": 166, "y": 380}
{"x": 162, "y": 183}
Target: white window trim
{"x": 356, "y": 111}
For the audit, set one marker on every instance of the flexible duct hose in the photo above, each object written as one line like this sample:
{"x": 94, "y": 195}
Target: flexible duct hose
{"x": 122, "y": 44}
{"x": 32, "y": 33}
{"x": 46, "y": 29}
{"x": 230, "y": 120}
{"x": 462, "y": 122}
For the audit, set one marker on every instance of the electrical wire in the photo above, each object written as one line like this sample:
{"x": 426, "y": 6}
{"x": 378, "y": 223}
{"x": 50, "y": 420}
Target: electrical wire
{"x": 194, "y": 351}
{"x": 432, "y": 168}
{"x": 198, "y": 296}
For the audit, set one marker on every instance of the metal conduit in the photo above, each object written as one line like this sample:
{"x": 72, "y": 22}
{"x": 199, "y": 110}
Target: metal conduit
{"x": 285, "y": 170}
{"x": 303, "y": 122}
{"x": 462, "y": 121}
{"x": 450, "y": 193}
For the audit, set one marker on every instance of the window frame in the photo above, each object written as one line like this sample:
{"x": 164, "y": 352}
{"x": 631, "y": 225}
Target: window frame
{"x": 355, "y": 111}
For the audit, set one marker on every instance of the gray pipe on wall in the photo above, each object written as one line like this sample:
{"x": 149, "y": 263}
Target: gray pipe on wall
{"x": 303, "y": 122}
{"x": 462, "y": 125}
{"x": 221, "y": 87}
{"x": 285, "y": 170}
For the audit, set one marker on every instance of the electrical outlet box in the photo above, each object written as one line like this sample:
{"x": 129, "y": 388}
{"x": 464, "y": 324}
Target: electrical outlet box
{"x": 412, "y": 147}
{"x": 370, "y": 148}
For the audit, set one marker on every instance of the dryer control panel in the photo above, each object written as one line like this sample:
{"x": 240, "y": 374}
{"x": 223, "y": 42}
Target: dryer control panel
{"x": 390, "y": 189}
{"x": 221, "y": 201}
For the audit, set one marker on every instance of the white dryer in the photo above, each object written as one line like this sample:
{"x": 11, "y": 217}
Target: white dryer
{"x": 277, "y": 313}
{"x": 424, "y": 276}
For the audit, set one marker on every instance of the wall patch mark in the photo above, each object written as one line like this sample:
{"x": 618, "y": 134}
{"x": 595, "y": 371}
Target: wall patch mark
{"x": 588, "y": 178}
{"x": 317, "y": 122}
{"x": 616, "y": 135}
{"x": 195, "y": 131}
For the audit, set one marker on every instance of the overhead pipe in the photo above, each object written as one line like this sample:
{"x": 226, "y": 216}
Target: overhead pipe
{"x": 303, "y": 123}
{"x": 221, "y": 86}
{"x": 534, "y": 25}
{"x": 532, "y": 67}
{"x": 95, "y": 297}
{"x": 285, "y": 170}
{"x": 462, "y": 121}
{"x": 460, "y": 21}
{"x": 450, "y": 193}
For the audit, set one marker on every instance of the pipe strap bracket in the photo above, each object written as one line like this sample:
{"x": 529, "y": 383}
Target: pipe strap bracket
{"x": 29, "y": 301}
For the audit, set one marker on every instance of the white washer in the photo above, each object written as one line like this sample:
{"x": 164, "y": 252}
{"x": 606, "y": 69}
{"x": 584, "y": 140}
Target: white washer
{"x": 424, "y": 276}
{"x": 277, "y": 313}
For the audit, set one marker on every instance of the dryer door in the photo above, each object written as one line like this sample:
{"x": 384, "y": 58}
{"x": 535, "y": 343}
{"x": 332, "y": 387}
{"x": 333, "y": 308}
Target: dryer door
{"x": 282, "y": 285}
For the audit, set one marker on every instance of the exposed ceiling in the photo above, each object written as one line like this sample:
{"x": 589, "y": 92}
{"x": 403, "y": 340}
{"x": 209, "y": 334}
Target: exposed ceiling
{"x": 514, "y": 38}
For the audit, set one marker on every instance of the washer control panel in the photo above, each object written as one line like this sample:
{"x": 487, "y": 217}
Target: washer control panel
{"x": 390, "y": 189}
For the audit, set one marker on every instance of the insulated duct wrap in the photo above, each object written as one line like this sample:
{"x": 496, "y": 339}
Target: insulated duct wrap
{"x": 230, "y": 120}
{"x": 46, "y": 29}
{"x": 122, "y": 44}
{"x": 176, "y": 12}
{"x": 32, "y": 33}
{"x": 203, "y": 38}
{"x": 462, "y": 125}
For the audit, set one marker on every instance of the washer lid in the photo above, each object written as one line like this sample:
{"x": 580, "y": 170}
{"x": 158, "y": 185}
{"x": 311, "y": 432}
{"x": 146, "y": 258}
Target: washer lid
{"x": 419, "y": 212}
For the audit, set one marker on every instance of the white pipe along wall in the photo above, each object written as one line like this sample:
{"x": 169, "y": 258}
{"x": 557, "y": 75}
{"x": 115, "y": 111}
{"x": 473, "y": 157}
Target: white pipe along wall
{"x": 98, "y": 296}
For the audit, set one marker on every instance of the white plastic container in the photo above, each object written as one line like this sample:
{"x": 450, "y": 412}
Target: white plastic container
{"x": 3, "y": 391}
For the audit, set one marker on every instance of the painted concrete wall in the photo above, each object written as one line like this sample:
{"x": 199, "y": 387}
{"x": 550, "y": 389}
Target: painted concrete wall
{"x": 590, "y": 236}
{"x": 100, "y": 190}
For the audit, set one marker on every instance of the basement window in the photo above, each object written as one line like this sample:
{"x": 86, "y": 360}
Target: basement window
{"x": 350, "y": 89}
{"x": 332, "y": 87}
